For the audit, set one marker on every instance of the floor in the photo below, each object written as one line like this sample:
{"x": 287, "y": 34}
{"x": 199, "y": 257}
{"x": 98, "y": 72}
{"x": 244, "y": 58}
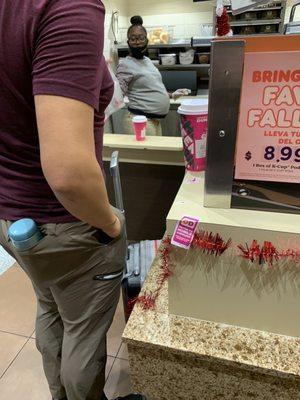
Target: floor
{"x": 21, "y": 374}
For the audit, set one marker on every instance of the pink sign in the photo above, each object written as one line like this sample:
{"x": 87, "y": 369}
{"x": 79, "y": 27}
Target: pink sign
{"x": 185, "y": 232}
{"x": 268, "y": 144}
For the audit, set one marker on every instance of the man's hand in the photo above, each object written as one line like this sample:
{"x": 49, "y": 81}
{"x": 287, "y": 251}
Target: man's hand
{"x": 113, "y": 230}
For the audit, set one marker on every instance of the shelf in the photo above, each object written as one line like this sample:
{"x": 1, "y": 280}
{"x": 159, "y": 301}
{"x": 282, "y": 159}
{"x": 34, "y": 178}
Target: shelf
{"x": 179, "y": 66}
{"x": 159, "y": 46}
{"x": 197, "y": 42}
{"x": 256, "y": 22}
{"x": 202, "y": 42}
{"x": 260, "y": 9}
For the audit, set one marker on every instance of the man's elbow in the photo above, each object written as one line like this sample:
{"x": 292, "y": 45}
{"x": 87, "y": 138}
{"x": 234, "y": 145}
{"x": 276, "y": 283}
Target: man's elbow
{"x": 63, "y": 181}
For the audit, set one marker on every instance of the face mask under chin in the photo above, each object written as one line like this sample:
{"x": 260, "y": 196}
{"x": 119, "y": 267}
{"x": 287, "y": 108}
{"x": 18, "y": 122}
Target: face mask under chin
{"x": 138, "y": 52}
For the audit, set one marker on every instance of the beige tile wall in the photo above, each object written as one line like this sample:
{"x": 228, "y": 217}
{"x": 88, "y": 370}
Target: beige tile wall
{"x": 184, "y": 15}
{"x": 114, "y": 5}
{"x": 156, "y": 7}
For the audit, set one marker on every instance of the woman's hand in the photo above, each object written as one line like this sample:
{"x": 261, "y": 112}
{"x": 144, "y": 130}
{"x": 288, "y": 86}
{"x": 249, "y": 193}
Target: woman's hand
{"x": 179, "y": 93}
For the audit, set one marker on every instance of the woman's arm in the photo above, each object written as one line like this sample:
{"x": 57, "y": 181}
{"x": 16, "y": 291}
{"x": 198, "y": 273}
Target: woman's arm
{"x": 124, "y": 77}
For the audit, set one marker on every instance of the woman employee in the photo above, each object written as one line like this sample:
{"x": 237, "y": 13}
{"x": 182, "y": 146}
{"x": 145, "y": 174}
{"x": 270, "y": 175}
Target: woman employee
{"x": 142, "y": 83}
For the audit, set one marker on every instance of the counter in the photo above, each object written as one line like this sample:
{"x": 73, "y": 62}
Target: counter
{"x": 154, "y": 150}
{"x": 151, "y": 174}
{"x": 222, "y": 327}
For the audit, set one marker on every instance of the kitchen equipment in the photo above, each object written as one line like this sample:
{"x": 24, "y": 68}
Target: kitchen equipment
{"x": 168, "y": 59}
{"x": 249, "y": 16}
{"x": 269, "y": 14}
{"x": 174, "y": 80}
{"x": 247, "y": 30}
{"x": 187, "y": 57}
{"x": 153, "y": 53}
{"x": 203, "y": 58}
{"x": 240, "y": 6}
{"x": 268, "y": 29}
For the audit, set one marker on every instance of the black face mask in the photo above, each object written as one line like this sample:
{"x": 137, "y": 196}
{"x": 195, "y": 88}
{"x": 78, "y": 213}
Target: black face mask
{"x": 138, "y": 52}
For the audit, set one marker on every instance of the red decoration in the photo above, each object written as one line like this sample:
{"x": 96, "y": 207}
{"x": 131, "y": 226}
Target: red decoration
{"x": 292, "y": 254}
{"x": 207, "y": 241}
{"x": 213, "y": 244}
{"x": 223, "y": 25}
{"x": 266, "y": 253}
{"x": 148, "y": 300}
{"x": 210, "y": 243}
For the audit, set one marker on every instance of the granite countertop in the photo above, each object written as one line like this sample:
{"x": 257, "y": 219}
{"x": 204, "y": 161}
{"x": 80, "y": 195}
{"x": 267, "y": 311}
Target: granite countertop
{"x": 244, "y": 348}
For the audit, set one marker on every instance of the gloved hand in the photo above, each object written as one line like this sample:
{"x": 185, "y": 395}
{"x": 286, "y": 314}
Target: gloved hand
{"x": 180, "y": 92}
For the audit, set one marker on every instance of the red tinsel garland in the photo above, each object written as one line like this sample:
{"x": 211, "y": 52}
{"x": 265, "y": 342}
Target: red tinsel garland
{"x": 223, "y": 25}
{"x": 267, "y": 253}
{"x": 148, "y": 300}
{"x": 206, "y": 241}
{"x": 213, "y": 244}
{"x": 210, "y": 243}
{"x": 291, "y": 254}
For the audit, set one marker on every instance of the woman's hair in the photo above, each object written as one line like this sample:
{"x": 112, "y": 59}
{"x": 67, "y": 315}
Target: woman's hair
{"x": 136, "y": 20}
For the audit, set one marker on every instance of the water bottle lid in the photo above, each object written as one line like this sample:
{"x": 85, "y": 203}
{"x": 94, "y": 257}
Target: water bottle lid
{"x": 22, "y": 230}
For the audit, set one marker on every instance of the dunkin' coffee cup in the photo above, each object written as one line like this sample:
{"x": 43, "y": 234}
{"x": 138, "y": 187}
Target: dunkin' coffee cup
{"x": 140, "y": 125}
{"x": 194, "y": 116}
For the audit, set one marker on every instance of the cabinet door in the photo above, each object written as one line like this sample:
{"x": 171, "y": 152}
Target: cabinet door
{"x": 117, "y": 121}
{"x": 171, "y": 124}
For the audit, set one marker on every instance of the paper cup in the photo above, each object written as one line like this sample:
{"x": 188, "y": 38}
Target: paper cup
{"x": 194, "y": 117}
{"x": 140, "y": 125}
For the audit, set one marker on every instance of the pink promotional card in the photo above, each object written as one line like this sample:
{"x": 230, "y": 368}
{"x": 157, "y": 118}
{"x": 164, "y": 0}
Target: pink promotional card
{"x": 268, "y": 142}
{"x": 185, "y": 232}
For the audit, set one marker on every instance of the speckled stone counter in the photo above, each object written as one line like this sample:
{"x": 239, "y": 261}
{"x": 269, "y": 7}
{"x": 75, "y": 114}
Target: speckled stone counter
{"x": 173, "y": 357}
{"x": 223, "y": 327}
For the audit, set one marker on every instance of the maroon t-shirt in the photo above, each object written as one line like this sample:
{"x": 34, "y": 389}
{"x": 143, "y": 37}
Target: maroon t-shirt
{"x": 50, "y": 47}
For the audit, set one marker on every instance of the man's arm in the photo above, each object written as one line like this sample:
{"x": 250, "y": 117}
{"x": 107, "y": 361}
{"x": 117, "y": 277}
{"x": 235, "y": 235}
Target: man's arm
{"x": 66, "y": 134}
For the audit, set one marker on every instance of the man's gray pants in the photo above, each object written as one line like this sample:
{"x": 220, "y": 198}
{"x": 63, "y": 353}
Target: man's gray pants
{"x": 77, "y": 280}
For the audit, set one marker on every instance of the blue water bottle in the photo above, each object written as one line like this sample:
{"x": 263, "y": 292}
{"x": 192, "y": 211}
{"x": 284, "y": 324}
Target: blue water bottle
{"x": 24, "y": 234}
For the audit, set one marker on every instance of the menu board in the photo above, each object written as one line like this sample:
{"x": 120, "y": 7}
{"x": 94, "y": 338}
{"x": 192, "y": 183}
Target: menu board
{"x": 268, "y": 142}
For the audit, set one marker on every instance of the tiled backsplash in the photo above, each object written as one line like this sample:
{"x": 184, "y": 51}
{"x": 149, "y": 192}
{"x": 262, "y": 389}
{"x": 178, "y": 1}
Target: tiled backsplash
{"x": 184, "y": 16}
{"x": 185, "y": 25}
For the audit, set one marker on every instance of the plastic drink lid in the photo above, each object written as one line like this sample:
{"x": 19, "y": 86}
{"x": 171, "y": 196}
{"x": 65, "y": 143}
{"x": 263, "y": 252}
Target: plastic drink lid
{"x": 22, "y": 230}
{"x": 139, "y": 119}
{"x": 193, "y": 107}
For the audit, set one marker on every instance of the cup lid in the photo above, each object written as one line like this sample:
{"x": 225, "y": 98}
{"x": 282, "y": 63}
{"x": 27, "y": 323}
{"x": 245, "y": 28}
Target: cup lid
{"x": 193, "y": 107}
{"x": 22, "y": 229}
{"x": 139, "y": 118}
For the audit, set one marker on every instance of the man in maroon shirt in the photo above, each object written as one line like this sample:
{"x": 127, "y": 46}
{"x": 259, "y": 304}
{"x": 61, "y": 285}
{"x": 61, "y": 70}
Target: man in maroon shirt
{"x": 54, "y": 88}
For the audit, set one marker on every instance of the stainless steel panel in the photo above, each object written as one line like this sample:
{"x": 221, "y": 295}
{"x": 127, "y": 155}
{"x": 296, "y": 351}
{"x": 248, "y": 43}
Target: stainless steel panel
{"x": 227, "y": 60}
